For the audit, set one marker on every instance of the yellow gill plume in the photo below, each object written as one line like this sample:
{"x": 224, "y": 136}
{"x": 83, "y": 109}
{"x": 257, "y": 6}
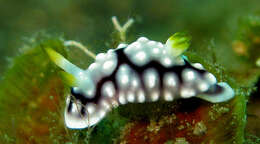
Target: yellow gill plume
{"x": 178, "y": 43}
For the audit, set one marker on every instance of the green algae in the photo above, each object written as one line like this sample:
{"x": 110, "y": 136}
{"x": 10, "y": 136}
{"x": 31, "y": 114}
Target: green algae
{"x": 217, "y": 111}
{"x": 169, "y": 142}
{"x": 24, "y": 93}
{"x": 199, "y": 128}
{"x": 109, "y": 129}
{"x": 251, "y": 139}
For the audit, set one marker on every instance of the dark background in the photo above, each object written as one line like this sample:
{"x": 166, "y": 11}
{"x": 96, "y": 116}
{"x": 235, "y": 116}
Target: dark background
{"x": 88, "y": 21}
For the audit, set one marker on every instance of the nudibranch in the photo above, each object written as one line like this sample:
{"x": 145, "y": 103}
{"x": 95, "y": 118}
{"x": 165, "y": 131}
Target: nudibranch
{"x": 143, "y": 71}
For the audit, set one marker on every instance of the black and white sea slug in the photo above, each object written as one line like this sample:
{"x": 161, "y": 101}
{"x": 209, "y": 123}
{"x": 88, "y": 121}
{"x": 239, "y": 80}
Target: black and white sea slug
{"x": 143, "y": 71}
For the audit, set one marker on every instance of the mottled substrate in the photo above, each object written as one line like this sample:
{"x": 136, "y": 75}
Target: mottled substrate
{"x": 32, "y": 106}
{"x": 31, "y": 95}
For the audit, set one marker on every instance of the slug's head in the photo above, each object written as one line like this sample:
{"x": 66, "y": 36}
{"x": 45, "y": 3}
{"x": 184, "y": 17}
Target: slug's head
{"x": 80, "y": 103}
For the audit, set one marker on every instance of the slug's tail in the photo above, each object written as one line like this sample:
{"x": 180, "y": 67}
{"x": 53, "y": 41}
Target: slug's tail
{"x": 223, "y": 92}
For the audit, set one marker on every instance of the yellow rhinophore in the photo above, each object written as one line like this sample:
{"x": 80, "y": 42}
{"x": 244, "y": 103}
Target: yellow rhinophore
{"x": 71, "y": 73}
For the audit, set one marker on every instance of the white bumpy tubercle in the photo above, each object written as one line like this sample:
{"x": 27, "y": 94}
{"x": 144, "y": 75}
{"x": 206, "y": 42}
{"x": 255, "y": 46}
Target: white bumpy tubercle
{"x": 144, "y": 50}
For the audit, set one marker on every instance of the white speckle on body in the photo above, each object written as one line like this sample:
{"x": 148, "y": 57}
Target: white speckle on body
{"x": 198, "y": 66}
{"x": 167, "y": 95}
{"x": 187, "y": 92}
{"x": 202, "y": 86}
{"x": 142, "y": 39}
{"x": 140, "y": 96}
{"x": 90, "y": 109}
{"x": 151, "y": 78}
{"x": 155, "y": 96}
{"x": 100, "y": 57}
{"x": 210, "y": 78}
{"x": 166, "y": 61}
{"x": 108, "y": 89}
{"x": 121, "y": 45}
{"x": 101, "y": 114}
{"x": 130, "y": 97}
{"x": 122, "y": 99}
{"x": 105, "y": 104}
{"x": 189, "y": 75}
{"x": 122, "y": 76}
{"x": 135, "y": 82}
{"x": 140, "y": 58}
{"x": 170, "y": 80}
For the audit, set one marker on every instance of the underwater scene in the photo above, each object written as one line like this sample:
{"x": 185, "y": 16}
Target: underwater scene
{"x": 130, "y": 72}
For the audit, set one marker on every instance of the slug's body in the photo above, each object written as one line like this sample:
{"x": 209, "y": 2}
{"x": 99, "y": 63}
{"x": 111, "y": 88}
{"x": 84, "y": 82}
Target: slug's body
{"x": 144, "y": 71}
